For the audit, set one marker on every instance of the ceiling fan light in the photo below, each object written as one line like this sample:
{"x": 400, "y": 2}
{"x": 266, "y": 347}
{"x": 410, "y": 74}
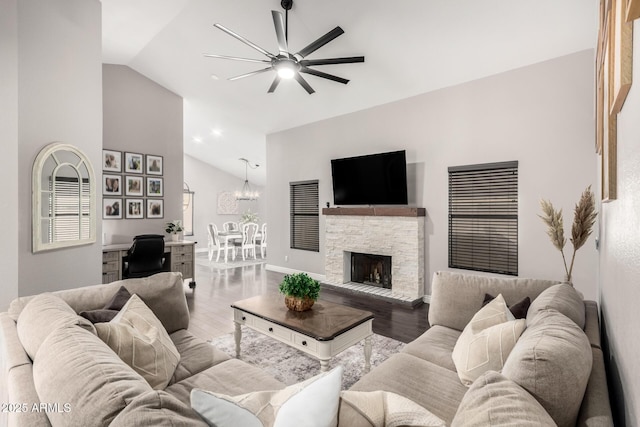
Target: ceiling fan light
{"x": 286, "y": 70}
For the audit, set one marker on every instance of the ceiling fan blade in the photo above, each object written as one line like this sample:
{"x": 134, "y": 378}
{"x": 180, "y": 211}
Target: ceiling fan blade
{"x": 235, "y": 58}
{"x": 304, "y": 83}
{"x": 331, "y": 61}
{"x": 320, "y": 42}
{"x": 323, "y": 75}
{"x": 274, "y": 85}
{"x": 278, "y": 23}
{"x": 253, "y": 73}
{"x": 243, "y": 40}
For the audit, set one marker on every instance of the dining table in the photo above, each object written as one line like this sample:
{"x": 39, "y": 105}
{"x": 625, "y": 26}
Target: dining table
{"x": 230, "y": 236}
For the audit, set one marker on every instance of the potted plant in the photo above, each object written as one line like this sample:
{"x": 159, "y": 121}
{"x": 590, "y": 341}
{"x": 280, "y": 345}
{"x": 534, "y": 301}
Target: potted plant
{"x": 300, "y": 291}
{"x": 174, "y": 228}
{"x": 584, "y": 217}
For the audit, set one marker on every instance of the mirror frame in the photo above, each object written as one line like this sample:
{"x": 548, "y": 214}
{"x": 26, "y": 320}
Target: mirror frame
{"x": 36, "y": 189}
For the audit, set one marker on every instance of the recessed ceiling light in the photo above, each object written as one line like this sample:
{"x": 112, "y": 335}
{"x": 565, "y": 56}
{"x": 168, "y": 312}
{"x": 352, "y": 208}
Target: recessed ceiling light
{"x": 215, "y": 77}
{"x": 197, "y": 139}
{"x": 216, "y": 132}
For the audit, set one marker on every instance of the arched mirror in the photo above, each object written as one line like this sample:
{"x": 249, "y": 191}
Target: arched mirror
{"x": 64, "y": 198}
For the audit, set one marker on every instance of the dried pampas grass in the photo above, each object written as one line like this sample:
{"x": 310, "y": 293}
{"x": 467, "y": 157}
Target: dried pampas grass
{"x": 584, "y": 217}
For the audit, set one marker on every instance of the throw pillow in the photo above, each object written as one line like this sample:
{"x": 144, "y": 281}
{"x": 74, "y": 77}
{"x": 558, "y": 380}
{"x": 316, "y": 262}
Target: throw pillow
{"x": 139, "y": 338}
{"x": 42, "y": 315}
{"x": 494, "y": 400}
{"x": 313, "y": 402}
{"x": 110, "y": 310}
{"x": 475, "y": 354}
{"x": 491, "y": 314}
{"x": 552, "y": 360}
{"x": 382, "y": 408}
{"x": 518, "y": 309}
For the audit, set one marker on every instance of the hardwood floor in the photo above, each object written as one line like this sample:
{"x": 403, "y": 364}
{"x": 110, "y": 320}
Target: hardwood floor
{"x": 212, "y": 316}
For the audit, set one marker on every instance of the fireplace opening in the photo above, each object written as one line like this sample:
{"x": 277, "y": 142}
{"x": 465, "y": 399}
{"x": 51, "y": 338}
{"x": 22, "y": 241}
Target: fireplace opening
{"x": 369, "y": 269}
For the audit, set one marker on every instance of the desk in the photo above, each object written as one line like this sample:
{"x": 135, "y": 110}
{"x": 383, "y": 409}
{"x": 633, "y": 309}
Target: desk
{"x": 228, "y": 236}
{"x": 181, "y": 259}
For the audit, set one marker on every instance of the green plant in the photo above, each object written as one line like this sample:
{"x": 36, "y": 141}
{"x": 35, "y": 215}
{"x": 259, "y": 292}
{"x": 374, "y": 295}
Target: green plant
{"x": 174, "y": 226}
{"x": 300, "y": 285}
{"x": 584, "y": 216}
{"x": 249, "y": 216}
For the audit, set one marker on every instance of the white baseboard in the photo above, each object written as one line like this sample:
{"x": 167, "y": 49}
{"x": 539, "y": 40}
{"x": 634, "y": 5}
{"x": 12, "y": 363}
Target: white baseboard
{"x": 202, "y": 250}
{"x": 426, "y": 299}
{"x": 285, "y": 270}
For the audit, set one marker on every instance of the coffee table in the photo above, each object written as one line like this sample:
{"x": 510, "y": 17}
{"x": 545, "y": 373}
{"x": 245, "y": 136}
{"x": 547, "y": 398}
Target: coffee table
{"x": 322, "y": 332}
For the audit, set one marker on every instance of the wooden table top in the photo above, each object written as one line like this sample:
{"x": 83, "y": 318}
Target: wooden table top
{"x": 324, "y": 322}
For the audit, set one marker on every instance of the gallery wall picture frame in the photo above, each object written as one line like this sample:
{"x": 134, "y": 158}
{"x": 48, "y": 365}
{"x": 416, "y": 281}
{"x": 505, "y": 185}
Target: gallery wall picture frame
{"x": 133, "y": 162}
{"x": 155, "y": 208}
{"x": 155, "y": 187}
{"x": 621, "y": 55}
{"x": 633, "y": 10}
{"x": 133, "y": 185}
{"x": 111, "y": 161}
{"x": 112, "y": 185}
{"x": 134, "y": 208}
{"x": 154, "y": 165}
{"x": 111, "y": 208}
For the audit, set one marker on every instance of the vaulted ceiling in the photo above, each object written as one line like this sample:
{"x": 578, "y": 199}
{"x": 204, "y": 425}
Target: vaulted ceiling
{"x": 411, "y": 47}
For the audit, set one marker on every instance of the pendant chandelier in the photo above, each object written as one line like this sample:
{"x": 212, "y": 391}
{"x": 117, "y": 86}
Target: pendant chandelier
{"x": 247, "y": 193}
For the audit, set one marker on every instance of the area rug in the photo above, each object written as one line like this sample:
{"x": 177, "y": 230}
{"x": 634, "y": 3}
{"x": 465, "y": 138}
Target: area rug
{"x": 292, "y": 366}
{"x": 203, "y": 260}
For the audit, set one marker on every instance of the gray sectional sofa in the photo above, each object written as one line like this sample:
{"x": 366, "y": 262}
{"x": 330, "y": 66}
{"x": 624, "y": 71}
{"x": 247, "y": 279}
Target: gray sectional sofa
{"x": 555, "y": 369}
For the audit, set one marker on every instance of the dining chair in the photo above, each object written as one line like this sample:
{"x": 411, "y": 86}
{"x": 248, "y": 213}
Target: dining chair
{"x": 248, "y": 243}
{"x": 213, "y": 241}
{"x": 262, "y": 242}
{"x": 230, "y": 226}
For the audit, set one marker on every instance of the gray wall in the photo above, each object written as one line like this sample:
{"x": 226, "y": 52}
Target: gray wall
{"x": 540, "y": 115}
{"x": 59, "y": 99}
{"x": 207, "y": 181}
{"x": 140, "y": 116}
{"x": 620, "y": 261}
{"x": 9, "y": 137}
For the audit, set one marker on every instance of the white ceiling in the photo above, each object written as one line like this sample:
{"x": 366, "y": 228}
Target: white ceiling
{"x": 411, "y": 47}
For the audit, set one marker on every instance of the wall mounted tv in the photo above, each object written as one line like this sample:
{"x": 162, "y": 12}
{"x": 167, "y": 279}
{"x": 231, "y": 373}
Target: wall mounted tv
{"x": 376, "y": 179}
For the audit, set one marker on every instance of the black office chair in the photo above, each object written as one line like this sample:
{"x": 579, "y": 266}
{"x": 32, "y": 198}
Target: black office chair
{"x": 145, "y": 257}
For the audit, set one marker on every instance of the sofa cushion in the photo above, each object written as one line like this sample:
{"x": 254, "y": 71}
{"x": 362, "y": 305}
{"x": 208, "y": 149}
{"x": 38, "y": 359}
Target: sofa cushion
{"x": 111, "y": 308}
{"x": 158, "y": 292}
{"x": 435, "y": 345}
{"x": 562, "y": 298}
{"x": 433, "y": 387}
{"x": 74, "y": 366}
{"x": 552, "y": 360}
{"x": 157, "y": 408}
{"x": 232, "y": 377}
{"x": 138, "y": 337}
{"x": 196, "y": 355}
{"x": 314, "y": 399}
{"x": 456, "y": 297}
{"x": 487, "y": 350}
{"x": 42, "y": 315}
{"x": 382, "y": 408}
{"x": 494, "y": 400}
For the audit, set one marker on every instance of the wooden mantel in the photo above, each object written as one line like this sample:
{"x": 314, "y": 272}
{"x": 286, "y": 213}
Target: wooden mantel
{"x": 387, "y": 211}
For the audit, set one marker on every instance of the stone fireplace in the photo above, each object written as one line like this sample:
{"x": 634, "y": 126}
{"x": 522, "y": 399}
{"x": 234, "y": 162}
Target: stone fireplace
{"x": 388, "y": 241}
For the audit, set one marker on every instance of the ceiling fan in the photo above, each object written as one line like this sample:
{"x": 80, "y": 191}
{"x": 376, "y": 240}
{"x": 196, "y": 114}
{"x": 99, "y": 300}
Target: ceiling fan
{"x": 284, "y": 63}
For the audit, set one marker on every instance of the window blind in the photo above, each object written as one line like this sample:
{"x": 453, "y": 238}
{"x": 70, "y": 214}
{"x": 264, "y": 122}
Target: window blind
{"x": 69, "y": 215}
{"x": 483, "y": 217}
{"x": 305, "y": 216}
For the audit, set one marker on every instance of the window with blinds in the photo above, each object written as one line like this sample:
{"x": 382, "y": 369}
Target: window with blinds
{"x": 305, "y": 216}
{"x": 483, "y": 217}
{"x": 69, "y": 214}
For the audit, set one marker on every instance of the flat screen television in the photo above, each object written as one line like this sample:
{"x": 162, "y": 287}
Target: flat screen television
{"x": 376, "y": 179}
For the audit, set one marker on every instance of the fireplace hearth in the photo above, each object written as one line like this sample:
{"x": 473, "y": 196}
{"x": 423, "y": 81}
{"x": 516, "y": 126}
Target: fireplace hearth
{"x": 370, "y": 269}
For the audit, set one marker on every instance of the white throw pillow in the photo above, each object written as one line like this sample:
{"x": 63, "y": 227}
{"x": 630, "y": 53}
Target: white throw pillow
{"x": 138, "y": 337}
{"x": 486, "y": 341}
{"x": 311, "y": 403}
